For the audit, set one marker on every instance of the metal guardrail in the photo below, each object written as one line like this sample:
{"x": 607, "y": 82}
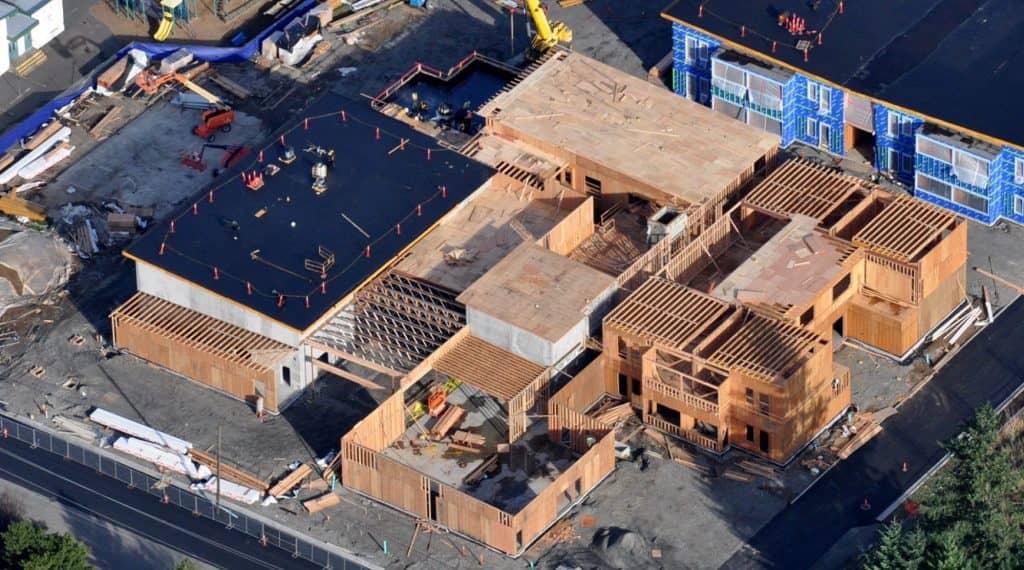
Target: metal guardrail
{"x": 232, "y": 519}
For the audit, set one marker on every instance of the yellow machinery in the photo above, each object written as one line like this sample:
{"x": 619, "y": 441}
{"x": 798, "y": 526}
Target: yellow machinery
{"x": 549, "y": 34}
{"x": 166, "y": 26}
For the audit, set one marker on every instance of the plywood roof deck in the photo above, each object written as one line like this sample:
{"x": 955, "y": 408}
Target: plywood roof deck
{"x": 207, "y": 334}
{"x": 538, "y": 291}
{"x": 800, "y": 187}
{"x": 790, "y": 269}
{"x": 905, "y": 229}
{"x": 485, "y": 229}
{"x": 667, "y": 313}
{"x": 595, "y": 111}
{"x": 488, "y": 368}
{"x": 764, "y": 347}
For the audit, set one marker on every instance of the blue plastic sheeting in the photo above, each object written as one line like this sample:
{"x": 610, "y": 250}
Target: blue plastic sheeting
{"x": 36, "y": 120}
{"x": 155, "y": 51}
{"x": 214, "y": 54}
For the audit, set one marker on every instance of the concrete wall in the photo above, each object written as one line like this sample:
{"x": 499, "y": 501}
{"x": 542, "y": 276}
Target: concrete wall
{"x": 158, "y": 283}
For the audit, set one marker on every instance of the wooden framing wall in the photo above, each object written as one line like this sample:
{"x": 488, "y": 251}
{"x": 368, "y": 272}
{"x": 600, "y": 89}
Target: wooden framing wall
{"x": 217, "y": 354}
{"x": 692, "y": 258}
{"x": 381, "y": 427}
{"x": 531, "y": 398}
{"x": 383, "y": 478}
{"x": 573, "y": 230}
{"x": 567, "y": 407}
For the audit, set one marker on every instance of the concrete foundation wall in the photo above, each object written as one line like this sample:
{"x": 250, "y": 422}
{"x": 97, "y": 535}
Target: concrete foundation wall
{"x": 170, "y": 288}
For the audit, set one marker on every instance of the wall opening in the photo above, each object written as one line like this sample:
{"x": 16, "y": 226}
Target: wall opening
{"x": 765, "y": 443}
{"x": 668, "y": 414}
{"x": 286, "y": 375}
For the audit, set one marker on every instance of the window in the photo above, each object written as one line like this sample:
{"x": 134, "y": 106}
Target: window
{"x": 908, "y": 164}
{"x": 286, "y": 375}
{"x": 894, "y": 161}
{"x": 750, "y": 433}
{"x": 593, "y": 185}
{"x": 637, "y": 387}
{"x": 969, "y": 200}
{"x": 932, "y": 186}
{"x": 567, "y": 177}
{"x": 705, "y": 91}
{"x": 728, "y": 109}
{"x": 825, "y": 136}
{"x": 691, "y": 50}
{"x": 808, "y": 317}
{"x": 763, "y": 404}
{"x": 812, "y": 91}
{"x": 623, "y": 384}
{"x": 970, "y": 169}
{"x": 764, "y": 93}
{"x": 691, "y": 87}
{"x": 1018, "y": 171}
{"x": 622, "y": 348}
{"x": 812, "y": 128}
{"x": 825, "y": 101}
{"x": 839, "y": 288}
{"x": 764, "y": 123}
{"x": 1018, "y": 205}
{"x": 934, "y": 150}
{"x": 906, "y": 126}
{"x": 765, "y": 443}
{"x": 750, "y": 397}
{"x": 893, "y": 126}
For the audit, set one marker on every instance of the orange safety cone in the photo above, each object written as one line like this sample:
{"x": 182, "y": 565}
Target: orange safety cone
{"x": 263, "y": 540}
{"x": 166, "y": 500}
{"x": 866, "y": 505}
{"x": 5, "y": 434}
{"x": 905, "y": 467}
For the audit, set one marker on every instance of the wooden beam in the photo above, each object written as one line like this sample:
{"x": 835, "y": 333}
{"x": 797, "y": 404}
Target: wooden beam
{"x": 353, "y": 358}
{"x": 347, "y": 375}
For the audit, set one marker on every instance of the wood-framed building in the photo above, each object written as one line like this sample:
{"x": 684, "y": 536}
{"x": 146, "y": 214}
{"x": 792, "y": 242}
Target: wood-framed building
{"x": 729, "y": 341}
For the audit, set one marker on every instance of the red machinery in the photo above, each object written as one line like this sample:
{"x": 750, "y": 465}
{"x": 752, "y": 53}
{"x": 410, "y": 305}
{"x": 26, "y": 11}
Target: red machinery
{"x": 214, "y": 120}
{"x": 437, "y": 402}
{"x": 233, "y": 154}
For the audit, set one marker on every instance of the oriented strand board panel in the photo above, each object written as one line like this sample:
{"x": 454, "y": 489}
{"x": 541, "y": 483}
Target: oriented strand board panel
{"x": 538, "y": 291}
{"x": 625, "y": 124}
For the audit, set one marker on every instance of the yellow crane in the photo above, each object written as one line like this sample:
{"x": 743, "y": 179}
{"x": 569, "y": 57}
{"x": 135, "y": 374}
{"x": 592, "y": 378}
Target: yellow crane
{"x": 549, "y": 34}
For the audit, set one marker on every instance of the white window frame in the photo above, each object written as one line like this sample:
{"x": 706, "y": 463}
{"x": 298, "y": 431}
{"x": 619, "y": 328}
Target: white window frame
{"x": 892, "y": 124}
{"x": 824, "y": 100}
{"x": 812, "y": 91}
{"x": 691, "y": 87}
{"x": 705, "y": 90}
{"x": 691, "y": 49}
{"x": 811, "y": 128}
{"x": 1018, "y": 205}
{"x": 1018, "y": 170}
{"x": 906, "y": 126}
{"x": 893, "y": 159}
{"x": 824, "y": 140}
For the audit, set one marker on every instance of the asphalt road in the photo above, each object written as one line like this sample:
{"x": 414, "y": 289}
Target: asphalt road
{"x": 79, "y": 487}
{"x": 988, "y": 369}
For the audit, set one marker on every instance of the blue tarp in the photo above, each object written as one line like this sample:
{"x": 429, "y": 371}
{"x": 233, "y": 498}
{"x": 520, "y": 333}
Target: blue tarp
{"x": 155, "y": 51}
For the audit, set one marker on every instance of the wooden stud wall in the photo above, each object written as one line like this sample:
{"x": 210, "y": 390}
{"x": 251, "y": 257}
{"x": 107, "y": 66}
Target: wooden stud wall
{"x": 694, "y": 257}
{"x": 573, "y": 230}
{"x": 532, "y": 398}
{"x": 383, "y": 478}
{"x": 946, "y": 259}
{"x": 566, "y": 408}
{"x": 382, "y": 426}
{"x": 475, "y": 518}
{"x": 544, "y": 509}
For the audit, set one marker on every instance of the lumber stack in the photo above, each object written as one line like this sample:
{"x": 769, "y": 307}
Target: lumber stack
{"x": 866, "y": 430}
{"x": 759, "y": 469}
{"x": 19, "y": 207}
{"x": 112, "y": 74}
{"x": 320, "y": 503}
{"x": 228, "y": 472}
{"x": 230, "y": 86}
{"x": 290, "y": 481}
{"x": 43, "y": 134}
{"x": 449, "y": 420}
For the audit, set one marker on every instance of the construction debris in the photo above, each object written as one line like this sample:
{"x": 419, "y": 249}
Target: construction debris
{"x": 290, "y": 481}
{"x": 228, "y": 472}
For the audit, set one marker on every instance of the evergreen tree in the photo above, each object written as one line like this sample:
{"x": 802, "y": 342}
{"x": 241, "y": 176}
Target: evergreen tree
{"x": 28, "y": 547}
{"x": 890, "y": 551}
{"x": 946, "y": 554}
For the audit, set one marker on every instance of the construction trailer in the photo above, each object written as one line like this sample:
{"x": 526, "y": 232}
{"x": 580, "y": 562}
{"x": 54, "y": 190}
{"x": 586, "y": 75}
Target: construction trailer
{"x": 852, "y": 80}
{"x": 730, "y": 342}
{"x": 27, "y": 25}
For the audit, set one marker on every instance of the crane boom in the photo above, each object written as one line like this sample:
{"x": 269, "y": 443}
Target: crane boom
{"x": 549, "y": 34}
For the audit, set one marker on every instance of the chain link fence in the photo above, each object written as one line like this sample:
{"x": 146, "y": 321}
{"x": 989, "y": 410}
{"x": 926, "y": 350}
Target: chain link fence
{"x": 267, "y": 534}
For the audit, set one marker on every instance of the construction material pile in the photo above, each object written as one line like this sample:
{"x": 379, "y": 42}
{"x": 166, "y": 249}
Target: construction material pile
{"x": 32, "y": 265}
